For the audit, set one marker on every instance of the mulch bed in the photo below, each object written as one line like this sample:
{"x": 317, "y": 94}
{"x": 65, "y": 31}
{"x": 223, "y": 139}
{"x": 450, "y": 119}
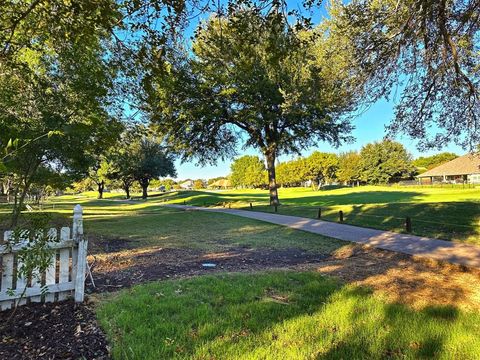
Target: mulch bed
{"x": 119, "y": 270}
{"x": 52, "y": 331}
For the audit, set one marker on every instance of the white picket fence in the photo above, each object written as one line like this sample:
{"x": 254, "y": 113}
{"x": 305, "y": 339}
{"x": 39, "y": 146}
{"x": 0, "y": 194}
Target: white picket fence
{"x": 65, "y": 275}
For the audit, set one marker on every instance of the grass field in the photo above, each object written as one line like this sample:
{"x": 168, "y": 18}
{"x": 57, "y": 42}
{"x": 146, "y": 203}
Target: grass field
{"x": 149, "y": 223}
{"x": 451, "y": 213}
{"x": 279, "y": 315}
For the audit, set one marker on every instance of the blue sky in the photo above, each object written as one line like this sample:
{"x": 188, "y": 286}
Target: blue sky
{"x": 369, "y": 127}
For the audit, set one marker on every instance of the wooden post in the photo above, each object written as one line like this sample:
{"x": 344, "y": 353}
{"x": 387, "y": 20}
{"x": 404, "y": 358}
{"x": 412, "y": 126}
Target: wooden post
{"x": 408, "y": 224}
{"x": 340, "y": 214}
{"x": 319, "y": 215}
{"x": 77, "y": 234}
{"x": 251, "y": 207}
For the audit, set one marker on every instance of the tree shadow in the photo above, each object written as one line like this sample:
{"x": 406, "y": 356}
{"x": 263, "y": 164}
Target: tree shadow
{"x": 284, "y": 315}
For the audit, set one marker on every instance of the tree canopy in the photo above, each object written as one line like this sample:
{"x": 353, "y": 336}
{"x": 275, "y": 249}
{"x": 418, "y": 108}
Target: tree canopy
{"x": 254, "y": 80}
{"x": 428, "y": 52}
{"x": 384, "y": 162}
{"x": 247, "y": 171}
{"x": 349, "y": 167}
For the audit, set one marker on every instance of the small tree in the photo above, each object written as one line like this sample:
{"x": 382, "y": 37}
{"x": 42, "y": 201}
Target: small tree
{"x": 123, "y": 164}
{"x": 321, "y": 167}
{"x": 35, "y": 255}
{"x": 100, "y": 174}
{"x": 151, "y": 161}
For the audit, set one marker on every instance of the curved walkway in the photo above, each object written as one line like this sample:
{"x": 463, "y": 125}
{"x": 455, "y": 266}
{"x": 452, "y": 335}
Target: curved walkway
{"x": 441, "y": 250}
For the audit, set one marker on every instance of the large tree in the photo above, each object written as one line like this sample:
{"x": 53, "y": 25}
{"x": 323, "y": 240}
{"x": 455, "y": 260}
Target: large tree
{"x": 349, "y": 167}
{"x": 251, "y": 78}
{"x": 321, "y": 167}
{"x": 53, "y": 105}
{"x": 427, "y": 52}
{"x": 384, "y": 162}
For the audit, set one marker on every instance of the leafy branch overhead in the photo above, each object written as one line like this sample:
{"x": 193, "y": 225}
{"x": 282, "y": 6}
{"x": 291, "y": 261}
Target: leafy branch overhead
{"x": 428, "y": 51}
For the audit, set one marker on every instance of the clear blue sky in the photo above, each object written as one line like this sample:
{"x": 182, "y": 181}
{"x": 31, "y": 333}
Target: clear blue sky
{"x": 369, "y": 127}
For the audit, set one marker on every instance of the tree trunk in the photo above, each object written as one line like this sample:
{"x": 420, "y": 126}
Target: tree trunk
{"x": 17, "y": 208}
{"x": 101, "y": 187}
{"x": 127, "y": 191}
{"x": 144, "y": 183}
{"x": 272, "y": 182}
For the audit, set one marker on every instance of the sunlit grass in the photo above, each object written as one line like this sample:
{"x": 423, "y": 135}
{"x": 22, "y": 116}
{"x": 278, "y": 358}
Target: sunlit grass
{"x": 279, "y": 315}
{"x": 451, "y": 213}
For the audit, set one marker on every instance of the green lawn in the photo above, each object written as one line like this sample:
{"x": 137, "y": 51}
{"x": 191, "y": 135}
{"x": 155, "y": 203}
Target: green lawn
{"x": 279, "y": 315}
{"x": 451, "y": 213}
{"x": 149, "y": 223}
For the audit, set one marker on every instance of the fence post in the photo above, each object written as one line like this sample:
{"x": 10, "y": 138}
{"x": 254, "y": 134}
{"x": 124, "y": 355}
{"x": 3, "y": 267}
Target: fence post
{"x": 276, "y": 209}
{"x": 251, "y": 207}
{"x": 408, "y": 224}
{"x": 319, "y": 215}
{"x": 340, "y": 214}
{"x": 77, "y": 235}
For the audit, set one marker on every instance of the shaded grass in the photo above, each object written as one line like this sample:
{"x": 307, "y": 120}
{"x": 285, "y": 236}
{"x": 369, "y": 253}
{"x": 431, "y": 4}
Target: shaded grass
{"x": 207, "y": 231}
{"x": 278, "y": 315}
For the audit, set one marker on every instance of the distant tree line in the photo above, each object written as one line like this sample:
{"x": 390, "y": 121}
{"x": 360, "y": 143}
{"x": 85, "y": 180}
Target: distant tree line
{"x": 376, "y": 163}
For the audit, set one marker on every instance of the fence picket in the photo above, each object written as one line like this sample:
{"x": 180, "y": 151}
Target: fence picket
{"x": 21, "y": 281}
{"x": 61, "y": 277}
{"x": 7, "y": 274}
{"x": 36, "y": 283}
{"x": 51, "y": 271}
{"x": 64, "y": 268}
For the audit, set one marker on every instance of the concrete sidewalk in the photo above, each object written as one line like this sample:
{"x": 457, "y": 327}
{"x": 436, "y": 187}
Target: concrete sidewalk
{"x": 456, "y": 253}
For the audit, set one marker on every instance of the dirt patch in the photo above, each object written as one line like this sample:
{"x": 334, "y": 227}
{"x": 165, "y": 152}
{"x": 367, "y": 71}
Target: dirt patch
{"x": 103, "y": 244}
{"x": 402, "y": 278}
{"x": 124, "y": 269}
{"x": 52, "y": 331}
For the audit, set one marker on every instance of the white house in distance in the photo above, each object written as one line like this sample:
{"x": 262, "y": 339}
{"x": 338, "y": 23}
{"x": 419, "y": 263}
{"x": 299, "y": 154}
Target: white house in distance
{"x": 187, "y": 185}
{"x": 462, "y": 170}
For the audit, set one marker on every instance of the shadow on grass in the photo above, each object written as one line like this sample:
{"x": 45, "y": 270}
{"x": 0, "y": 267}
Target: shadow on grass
{"x": 279, "y": 315}
{"x": 458, "y": 221}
